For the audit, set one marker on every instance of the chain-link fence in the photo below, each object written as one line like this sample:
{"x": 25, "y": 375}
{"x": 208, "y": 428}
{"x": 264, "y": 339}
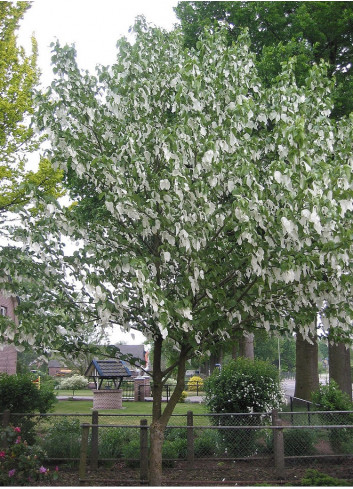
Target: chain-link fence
{"x": 254, "y": 447}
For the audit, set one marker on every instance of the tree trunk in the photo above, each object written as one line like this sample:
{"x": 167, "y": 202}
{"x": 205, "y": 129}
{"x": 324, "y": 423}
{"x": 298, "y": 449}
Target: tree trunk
{"x": 307, "y": 370}
{"x": 155, "y": 456}
{"x": 160, "y": 419}
{"x": 244, "y": 347}
{"x": 340, "y": 367}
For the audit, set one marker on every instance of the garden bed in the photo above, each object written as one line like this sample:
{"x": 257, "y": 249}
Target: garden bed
{"x": 205, "y": 472}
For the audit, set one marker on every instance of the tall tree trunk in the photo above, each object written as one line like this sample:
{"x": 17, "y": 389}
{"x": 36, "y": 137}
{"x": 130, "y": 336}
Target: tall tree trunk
{"x": 160, "y": 419}
{"x": 307, "y": 370}
{"x": 244, "y": 347}
{"x": 340, "y": 367}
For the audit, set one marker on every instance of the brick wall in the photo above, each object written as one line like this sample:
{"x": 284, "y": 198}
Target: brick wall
{"x": 8, "y": 355}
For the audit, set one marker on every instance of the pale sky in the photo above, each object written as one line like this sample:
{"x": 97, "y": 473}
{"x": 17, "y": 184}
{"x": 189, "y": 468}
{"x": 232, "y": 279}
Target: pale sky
{"x": 94, "y": 27}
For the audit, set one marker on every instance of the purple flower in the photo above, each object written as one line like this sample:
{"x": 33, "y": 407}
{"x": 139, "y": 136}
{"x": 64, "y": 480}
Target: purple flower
{"x": 42, "y": 470}
{"x": 12, "y": 472}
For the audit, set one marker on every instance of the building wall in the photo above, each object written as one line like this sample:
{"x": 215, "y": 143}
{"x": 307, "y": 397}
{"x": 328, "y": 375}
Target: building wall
{"x": 8, "y": 354}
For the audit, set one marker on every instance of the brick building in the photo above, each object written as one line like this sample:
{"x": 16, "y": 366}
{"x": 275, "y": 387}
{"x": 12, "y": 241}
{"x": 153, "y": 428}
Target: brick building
{"x": 8, "y": 353}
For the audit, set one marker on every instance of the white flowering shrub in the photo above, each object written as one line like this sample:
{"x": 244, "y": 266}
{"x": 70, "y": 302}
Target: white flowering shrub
{"x": 244, "y": 386}
{"x": 74, "y": 383}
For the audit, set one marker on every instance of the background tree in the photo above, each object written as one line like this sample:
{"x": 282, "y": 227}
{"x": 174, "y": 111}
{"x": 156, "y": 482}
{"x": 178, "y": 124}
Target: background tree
{"x": 223, "y": 203}
{"x": 18, "y": 78}
{"x": 311, "y": 31}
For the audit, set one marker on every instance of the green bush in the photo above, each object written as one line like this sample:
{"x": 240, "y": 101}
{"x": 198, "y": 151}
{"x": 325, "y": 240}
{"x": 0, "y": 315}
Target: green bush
{"x": 18, "y": 394}
{"x": 170, "y": 451}
{"x": 131, "y": 453}
{"x": 315, "y": 478}
{"x": 112, "y": 440}
{"x": 172, "y": 434}
{"x": 242, "y": 386}
{"x": 63, "y": 438}
{"x": 299, "y": 442}
{"x": 206, "y": 443}
{"x": 329, "y": 397}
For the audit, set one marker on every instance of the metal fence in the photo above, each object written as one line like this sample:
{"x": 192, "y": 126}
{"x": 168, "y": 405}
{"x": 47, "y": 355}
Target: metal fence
{"x": 253, "y": 448}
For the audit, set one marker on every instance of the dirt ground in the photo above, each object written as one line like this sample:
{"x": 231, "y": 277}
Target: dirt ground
{"x": 204, "y": 473}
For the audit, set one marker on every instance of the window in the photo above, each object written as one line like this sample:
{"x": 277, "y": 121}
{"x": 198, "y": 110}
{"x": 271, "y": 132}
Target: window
{"x": 3, "y": 311}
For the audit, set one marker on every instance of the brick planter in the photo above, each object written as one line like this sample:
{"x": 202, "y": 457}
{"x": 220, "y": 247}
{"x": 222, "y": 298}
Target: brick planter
{"x": 108, "y": 399}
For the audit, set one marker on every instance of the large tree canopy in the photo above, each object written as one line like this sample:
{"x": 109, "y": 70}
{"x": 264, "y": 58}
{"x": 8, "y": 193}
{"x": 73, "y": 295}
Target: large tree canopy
{"x": 220, "y": 204}
{"x": 278, "y": 30}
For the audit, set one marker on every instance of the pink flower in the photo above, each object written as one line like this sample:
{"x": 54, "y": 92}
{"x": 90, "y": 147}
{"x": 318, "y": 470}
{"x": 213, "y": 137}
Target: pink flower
{"x": 12, "y": 472}
{"x": 56, "y": 469}
{"x": 18, "y": 440}
{"x": 2, "y": 454}
{"x": 17, "y": 429}
{"x": 42, "y": 470}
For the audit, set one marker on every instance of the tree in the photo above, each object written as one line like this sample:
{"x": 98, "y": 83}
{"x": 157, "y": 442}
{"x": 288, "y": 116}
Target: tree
{"x": 220, "y": 203}
{"x": 18, "y": 78}
{"x": 74, "y": 383}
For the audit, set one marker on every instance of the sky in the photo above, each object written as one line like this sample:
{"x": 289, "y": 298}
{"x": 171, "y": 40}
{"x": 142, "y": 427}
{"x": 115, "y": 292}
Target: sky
{"x": 94, "y": 27}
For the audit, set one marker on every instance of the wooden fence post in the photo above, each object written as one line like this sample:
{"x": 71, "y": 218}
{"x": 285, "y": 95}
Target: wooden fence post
{"x": 84, "y": 450}
{"x": 94, "y": 443}
{"x": 5, "y": 424}
{"x": 143, "y": 451}
{"x": 278, "y": 445}
{"x": 190, "y": 438}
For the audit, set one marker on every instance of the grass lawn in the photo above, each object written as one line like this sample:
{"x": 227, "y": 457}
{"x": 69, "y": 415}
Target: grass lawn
{"x": 129, "y": 407}
{"x": 78, "y": 392}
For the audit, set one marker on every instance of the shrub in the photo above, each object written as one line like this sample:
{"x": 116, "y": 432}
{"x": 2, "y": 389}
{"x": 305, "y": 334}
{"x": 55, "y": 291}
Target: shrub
{"x": 63, "y": 438}
{"x": 73, "y": 383}
{"x": 195, "y": 383}
{"x": 18, "y": 394}
{"x": 206, "y": 443}
{"x": 329, "y": 397}
{"x": 112, "y": 440}
{"x": 299, "y": 442}
{"x": 172, "y": 434}
{"x": 170, "y": 451}
{"x": 20, "y": 463}
{"x": 183, "y": 396}
{"x": 131, "y": 453}
{"x": 242, "y": 386}
{"x": 315, "y": 478}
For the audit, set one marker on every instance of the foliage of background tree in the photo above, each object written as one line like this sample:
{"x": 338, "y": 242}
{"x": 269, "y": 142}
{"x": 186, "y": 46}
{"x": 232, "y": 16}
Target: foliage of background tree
{"x": 18, "y": 77}
{"x": 311, "y": 31}
{"x": 223, "y": 203}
